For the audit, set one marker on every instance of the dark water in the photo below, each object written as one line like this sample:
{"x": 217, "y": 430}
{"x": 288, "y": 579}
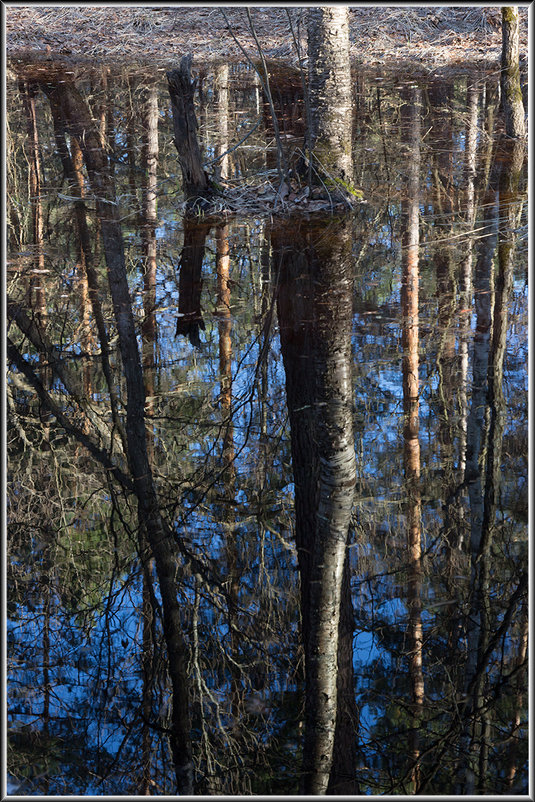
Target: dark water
{"x": 242, "y": 325}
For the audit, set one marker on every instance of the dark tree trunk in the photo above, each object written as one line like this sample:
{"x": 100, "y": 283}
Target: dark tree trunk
{"x": 314, "y": 309}
{"x": 196, "y": 185}
{"x": 190, "y": 320}
{"x": 476, "y": 441}
{"x": 512, "y": 104}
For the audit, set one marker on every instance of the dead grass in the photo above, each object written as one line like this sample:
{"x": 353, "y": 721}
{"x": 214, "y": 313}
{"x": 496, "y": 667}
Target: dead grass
{"x": 430, "y": 37}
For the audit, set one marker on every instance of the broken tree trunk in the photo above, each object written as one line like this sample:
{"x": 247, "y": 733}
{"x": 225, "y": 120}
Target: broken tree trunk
{"x": 196, "y": 184}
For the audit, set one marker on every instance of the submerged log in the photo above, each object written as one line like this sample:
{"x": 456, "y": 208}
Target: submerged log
{"x": 196, "y": 184}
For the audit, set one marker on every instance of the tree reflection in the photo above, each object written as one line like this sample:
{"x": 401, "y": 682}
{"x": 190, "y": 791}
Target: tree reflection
{"x": 165, "y": 522}
{"x": 411, "y": 444}
{"x": 314, "y": 310}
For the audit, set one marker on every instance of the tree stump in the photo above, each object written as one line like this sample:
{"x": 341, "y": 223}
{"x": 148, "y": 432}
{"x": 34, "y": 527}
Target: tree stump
{"x": 196, "y": 184}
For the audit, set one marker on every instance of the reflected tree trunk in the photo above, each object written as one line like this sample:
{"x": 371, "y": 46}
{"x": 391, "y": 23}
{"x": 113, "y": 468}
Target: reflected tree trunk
{"x": 510, "y": 170}
{"x": 229, "y": 476}
{"x": 411, "y": 444}
{"x": 72, "y": 162}
{"x": 190, "y": 321}
{"x": 514, "y": 760}
{"x": 443, "y": 201}
{"x": 314, "y": 305}
{"x": 465, "y": 283}
{"x": 149, "y": 221}
{"x": 81, "y": 269}
{"x": 80, "y": 125}
{"x": 149, "y": 156}
{"x": 37, "y": 295}
{"x": 476, "y": 439}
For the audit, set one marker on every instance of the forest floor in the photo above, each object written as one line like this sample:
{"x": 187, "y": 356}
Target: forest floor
{"x": 428, "y": 39}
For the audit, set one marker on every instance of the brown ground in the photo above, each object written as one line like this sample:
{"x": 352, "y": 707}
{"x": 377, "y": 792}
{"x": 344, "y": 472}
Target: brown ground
{"x": 429, "y": 38}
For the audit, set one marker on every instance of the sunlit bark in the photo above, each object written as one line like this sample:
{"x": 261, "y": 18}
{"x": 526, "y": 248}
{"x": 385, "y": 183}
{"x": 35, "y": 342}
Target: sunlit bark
{"x": 221, "y": 98}
{"x": 510, "y": 77}
{"x": 315, "y": 313}
{"x": 465, "y": 283}
{"x": 149, "y": 220}
{"x": 411, "y": 443}
{"x": 330, "y": 93}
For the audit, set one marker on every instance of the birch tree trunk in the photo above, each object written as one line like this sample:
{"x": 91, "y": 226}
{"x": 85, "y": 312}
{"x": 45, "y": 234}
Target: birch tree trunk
{"x": 221, "y": 97}
{"x": 330, "y": 96}
{"x": 512, "y": 104}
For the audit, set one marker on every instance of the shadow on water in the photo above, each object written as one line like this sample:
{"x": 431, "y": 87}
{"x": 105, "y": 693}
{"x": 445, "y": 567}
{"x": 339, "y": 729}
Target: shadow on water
{"x": 322, "y": 393}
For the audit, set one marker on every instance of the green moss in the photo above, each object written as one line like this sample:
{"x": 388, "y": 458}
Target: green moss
{"x": 345, "y": 185}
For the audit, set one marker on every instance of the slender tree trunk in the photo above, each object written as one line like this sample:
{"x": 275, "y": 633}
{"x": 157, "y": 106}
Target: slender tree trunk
{"x": 411, "y": 449}
{"x": 229, "y": 477}
{"x": 37, "y": 299}
{"x": 513, "y": 758}
{"x": 148, "y": 221}
{"x": 512, "y": 104}
{"x": 72, "y": 166}
{"x": 221, "y": 99}
{"x": 465, "y": 283}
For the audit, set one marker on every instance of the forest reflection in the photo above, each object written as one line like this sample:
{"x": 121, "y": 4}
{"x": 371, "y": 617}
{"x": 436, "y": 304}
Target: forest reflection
{"x": 267, "y": 489}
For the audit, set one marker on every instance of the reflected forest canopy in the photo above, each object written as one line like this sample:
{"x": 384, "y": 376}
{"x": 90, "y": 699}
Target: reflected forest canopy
{"x": 266, "y": 427}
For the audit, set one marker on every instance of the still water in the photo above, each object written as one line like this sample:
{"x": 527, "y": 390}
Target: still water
{"x": 405, "y": 314}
